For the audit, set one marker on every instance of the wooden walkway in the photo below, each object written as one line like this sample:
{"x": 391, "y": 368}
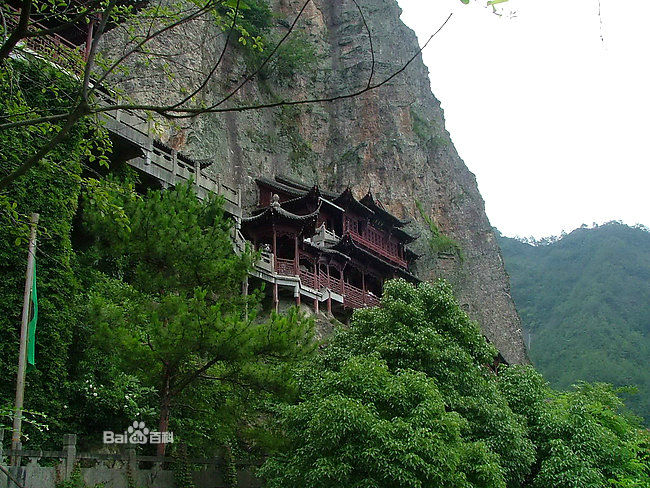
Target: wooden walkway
{"x": 165, "y": 164}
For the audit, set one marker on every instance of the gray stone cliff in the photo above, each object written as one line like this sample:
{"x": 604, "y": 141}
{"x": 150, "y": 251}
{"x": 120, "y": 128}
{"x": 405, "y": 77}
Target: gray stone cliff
{"x": 392, "y": 139}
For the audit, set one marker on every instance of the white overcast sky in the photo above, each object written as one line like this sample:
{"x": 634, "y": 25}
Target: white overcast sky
{"x": 554, "y": 122}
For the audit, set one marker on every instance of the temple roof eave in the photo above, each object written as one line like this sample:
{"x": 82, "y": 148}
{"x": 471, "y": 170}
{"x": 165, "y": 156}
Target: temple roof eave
{"x": 276, "y": 214}
{"x": 369, "y": 201}
{"x": 347, "y": 198}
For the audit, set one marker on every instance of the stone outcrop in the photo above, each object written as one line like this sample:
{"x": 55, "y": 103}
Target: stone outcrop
{"x": 391, "y": 139}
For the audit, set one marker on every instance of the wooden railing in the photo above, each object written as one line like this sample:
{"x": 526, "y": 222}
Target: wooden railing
{"x": 333, "y": 284}
{"x": 164, "y": 163}
{"x": 353, "y": 296}
{"x": 309, "y": 279}
{"x": 52, "y": 48}
{"x": 378, "y": 249}
{"x": 356, "y": 298}
{"x": 285, "y": 267}
{"x": 372, "y": 300}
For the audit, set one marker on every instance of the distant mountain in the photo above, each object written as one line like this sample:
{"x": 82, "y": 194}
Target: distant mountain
{"x": 584, "y": 300}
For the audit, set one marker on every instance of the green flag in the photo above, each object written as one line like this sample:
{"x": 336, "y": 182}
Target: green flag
{"x": 31, "y": 327}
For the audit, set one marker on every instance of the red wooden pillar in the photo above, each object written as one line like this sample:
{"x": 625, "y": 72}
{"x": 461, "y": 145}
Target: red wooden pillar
{"x": 342, "y": 291}
{"x": 298, "y": 299}
{"x": 363, "y": 285}
{"x": 276, "y": 299}
{"x": 316, "y": 305}
{"x": 296, "y": 263}
{"x": 275, "y": 260}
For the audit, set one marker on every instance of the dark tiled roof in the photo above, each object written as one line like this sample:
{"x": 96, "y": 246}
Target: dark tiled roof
{"x": 275, "y": 214}
{"x": 346, "y": 199}
{"x": 289, "y": 190}
{"x": 325, "y": 250}
{"x": 298, "y": 185}
{"x": 375, "y": 205}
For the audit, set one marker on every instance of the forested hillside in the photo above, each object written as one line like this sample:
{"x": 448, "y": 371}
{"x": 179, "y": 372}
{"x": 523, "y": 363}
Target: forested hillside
{"x": 585, "y": 303}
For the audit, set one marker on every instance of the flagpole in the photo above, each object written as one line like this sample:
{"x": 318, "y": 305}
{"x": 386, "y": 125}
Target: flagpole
{"x": 22, "y": 355}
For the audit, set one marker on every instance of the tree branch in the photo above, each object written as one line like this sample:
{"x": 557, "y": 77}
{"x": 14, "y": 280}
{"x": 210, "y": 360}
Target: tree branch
{"x": 372, "y": 49}
{"x": 72, "y": 119}
{"x": 19, "y": 32}
{"x": 184, "y": 112}
{"x": 216, "y": 65}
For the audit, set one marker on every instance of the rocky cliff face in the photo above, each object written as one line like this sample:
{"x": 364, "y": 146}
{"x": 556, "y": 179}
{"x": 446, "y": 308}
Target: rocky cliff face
{"x": 391, "y": 139}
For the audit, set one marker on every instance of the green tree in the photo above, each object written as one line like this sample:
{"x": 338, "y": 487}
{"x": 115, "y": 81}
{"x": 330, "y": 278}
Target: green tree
{"x": 168, "y": 307}
{"x": 363, "y": 425}
{"x": 580, "y": 435}
{"x": 423, "y": 330}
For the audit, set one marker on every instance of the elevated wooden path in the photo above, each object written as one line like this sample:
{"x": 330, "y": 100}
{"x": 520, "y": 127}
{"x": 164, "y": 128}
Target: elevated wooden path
{"x": 165, "y": 164}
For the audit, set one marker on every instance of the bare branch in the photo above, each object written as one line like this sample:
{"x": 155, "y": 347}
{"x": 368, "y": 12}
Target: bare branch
{"x": 266, "y": 60}
{"x": 19, "y": 32}
{"x": 148, "y": 38}
{"x": 216, "y": 65}
{"x": 36, "y": 121}
{"x": 372, "y": 49}
{"x": 181, "y": 112}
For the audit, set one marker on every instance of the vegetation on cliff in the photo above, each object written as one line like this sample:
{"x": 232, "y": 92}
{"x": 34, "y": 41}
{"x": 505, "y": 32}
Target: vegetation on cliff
{"x": 584, "y": 300}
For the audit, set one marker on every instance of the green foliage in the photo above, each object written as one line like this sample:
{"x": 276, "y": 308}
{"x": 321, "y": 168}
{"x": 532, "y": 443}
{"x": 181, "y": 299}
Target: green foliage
{"x": 301, "y": 152}
{"x": 581, "y": 438}
{"x": 252, "y": 23}
{"x": 421, "y": 341}
{"x": 439, "y": 243}
{"x": 365, "y": 425}
{"x": 296, "y": 56}
{"x": 230, "y": 468}
{"x": 403, "y": 398}
{"x": 182, "y": 469}
{"x": 166, "y": 305}
{"x": 52, "y": 190}
{"x": 584, "y": 300}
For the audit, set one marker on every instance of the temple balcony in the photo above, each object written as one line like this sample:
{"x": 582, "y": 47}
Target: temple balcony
{"x": 353, "y": 297}
{"x": 379, "y": 249}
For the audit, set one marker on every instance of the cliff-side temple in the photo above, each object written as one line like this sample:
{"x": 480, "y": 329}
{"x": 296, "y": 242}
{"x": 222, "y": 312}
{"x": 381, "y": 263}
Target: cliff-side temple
{"x": 326, "y": 247}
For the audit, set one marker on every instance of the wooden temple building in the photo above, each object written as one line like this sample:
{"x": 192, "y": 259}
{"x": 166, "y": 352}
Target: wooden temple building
{"x": 329, "y": 248}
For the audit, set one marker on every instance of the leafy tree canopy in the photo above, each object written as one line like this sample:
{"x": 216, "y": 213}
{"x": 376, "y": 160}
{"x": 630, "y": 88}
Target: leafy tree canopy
{"x": 403, "y": 397}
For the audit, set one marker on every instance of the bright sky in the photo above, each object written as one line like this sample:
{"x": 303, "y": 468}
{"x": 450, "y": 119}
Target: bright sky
{"x": 554, "y": 122}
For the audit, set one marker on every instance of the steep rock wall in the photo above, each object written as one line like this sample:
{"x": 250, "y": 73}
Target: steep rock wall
{"x": 392, "y": 139}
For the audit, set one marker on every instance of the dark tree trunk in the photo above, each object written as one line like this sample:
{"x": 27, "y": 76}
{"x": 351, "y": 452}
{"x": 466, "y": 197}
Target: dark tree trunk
{"x": 165, "y": 402}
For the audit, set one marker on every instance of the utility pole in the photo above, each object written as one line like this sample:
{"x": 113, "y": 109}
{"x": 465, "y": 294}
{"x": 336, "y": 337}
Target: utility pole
{"x": 22, "y": 355}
